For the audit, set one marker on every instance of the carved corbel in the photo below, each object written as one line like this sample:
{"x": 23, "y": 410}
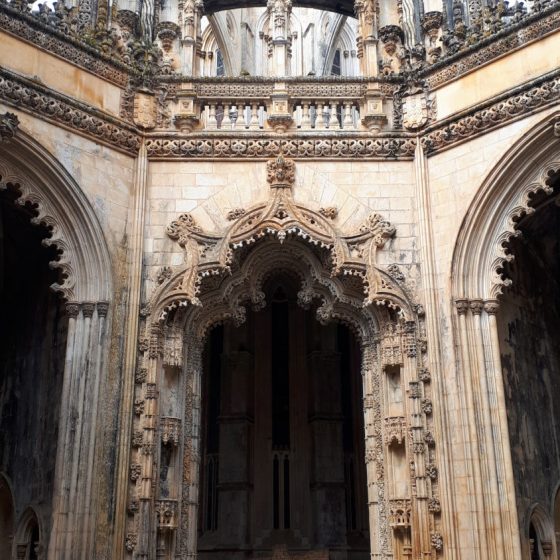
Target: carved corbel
{"x": 9, "y": 124}
{"x": 556, "y": 128}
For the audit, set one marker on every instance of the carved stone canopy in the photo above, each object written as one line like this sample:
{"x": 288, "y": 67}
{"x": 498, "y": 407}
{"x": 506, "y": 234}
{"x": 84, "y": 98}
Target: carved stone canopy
{"x": 280, "y": 219}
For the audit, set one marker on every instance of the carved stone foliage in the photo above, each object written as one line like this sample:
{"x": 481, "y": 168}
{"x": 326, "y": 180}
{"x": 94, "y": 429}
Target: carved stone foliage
{"x": 55, "y": 35}
{"x": 66, "y": 112}
{"x": 8, "y": 126}
{"x": 445, "y": 69}
{"x": 263, "y": 146}
{"x": 281, "y": 218}
{"x": 535, "y": 96}
{"x": 167, "y": 512}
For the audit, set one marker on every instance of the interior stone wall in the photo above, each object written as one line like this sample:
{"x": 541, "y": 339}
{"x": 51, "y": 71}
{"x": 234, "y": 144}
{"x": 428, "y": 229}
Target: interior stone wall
{"x": 32, "y": 349}
{"x": 529, "y": 322}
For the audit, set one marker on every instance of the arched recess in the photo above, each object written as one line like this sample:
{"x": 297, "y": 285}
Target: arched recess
{"x": 7, "y": 517}
{"x": 223, "y": 274}
{"x": 41, "y": 184}
{"x": 556, "y": 518}
{"x": 29, "y": 539}
{"x": 540, "y": 533}
{"x": 478, "y": 281}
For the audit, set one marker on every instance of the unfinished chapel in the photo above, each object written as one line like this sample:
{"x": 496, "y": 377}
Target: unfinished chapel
{"x": 279, "y": 280}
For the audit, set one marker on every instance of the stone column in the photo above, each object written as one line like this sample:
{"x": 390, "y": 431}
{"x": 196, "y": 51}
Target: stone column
{"x": 507, "y": 495}
{"x": 279, "y": 12}
{"x": 420, "y": 526}
{"x": 188, "y": 533}
{"x": 234, "y": 480}
{"x": 472, "y": 453}
{"x": 366, "y": 12}
{"x": 73, "y": 511}
{"x": 327, "y": 461}
{"x": 191, "y": 36}
{"x": 493, "y": 509}
{"x": 378, "y": 529}
{"x": 137, "y": 218}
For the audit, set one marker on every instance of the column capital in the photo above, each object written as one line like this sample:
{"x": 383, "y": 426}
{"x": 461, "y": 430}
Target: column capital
{"x": 462, "y": 306}
{"x": 476, "y": 306}
{"x": 73, "y": 309}
{"x": 88, "y": 307}
{"x": 491, "y": 306}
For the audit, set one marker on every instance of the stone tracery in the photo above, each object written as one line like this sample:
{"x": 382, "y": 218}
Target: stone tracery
{"x": 338, "y": 276}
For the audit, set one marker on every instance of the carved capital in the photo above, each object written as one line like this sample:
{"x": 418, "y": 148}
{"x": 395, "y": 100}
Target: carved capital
{"x": 491, "y": 306}
{"x": 476, "y": 306}
{"x": 102, "y": 308}
{"x": 88, "y": 308}
{"x": 72, "y": 309}
{"x": 9, "y": 123}
{"x": 462, "y": 306}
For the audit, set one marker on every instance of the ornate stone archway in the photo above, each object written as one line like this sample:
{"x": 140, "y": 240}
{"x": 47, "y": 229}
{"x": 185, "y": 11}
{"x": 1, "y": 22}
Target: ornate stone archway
{"x": 41, "y": 183}
{"x": 477, "y": 278}
{"x": 338, "y": 274}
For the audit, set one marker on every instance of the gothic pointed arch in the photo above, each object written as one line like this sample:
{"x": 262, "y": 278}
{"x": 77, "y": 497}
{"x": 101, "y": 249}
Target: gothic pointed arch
{"x": 496, "y": 258}
{"x": 63, "y": 208}
{"x": 76, "y": 323}
{"x": 223, "y": 276}
{"x": 505, "y": 197}
{"x": 7, "y": 516}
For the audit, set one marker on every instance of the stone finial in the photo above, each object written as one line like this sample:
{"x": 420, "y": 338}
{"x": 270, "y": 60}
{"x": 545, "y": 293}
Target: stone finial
{"x": 9, "y": 124}
{"x": 281, "y": 172}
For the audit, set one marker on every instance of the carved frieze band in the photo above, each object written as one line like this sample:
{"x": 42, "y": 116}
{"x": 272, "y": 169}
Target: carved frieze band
{"x": 31, "y": 29}
{"x": 38, "y": 100}
{"x": 212, "y": 147}
{"x": 446, "y": 70}
{"x": 524, "y": 100}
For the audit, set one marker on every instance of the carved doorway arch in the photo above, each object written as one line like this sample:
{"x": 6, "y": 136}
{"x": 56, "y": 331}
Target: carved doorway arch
{"x": 223, "y": 273}
{"x": 41, "y": 183}
{"x": 525, "y": 174}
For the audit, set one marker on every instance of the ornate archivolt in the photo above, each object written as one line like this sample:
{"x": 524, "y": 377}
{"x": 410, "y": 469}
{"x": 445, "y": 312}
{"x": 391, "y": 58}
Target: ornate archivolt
{"x": 213, "y": 254}
{"x": 62, "y": 208}
{"x": 478, "y": 279}
{"x": 482, "y": 246}
{"x": 224, "y": 273}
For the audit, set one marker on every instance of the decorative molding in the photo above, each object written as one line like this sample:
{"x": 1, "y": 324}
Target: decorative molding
{"x": 28, "y": 28}
{"x": 264, "y": 146}
{"x": 55, "y": 107}
{"x": 509, "y": 228}
{"x": 518, "y": 103}
{"x": 452, "y": 67}
{"x": 9, "y": 123}
{"x": 281, "y": 217}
